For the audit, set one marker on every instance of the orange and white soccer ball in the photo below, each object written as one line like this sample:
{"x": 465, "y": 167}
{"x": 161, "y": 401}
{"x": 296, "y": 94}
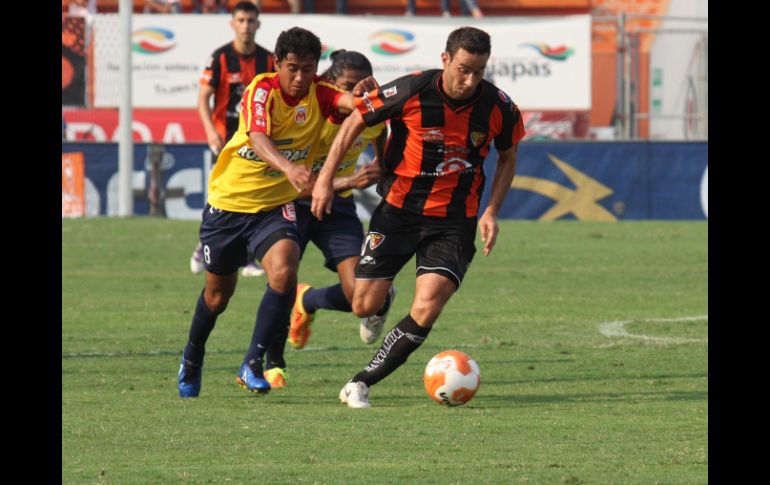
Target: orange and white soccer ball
{"x": 452, "y": 378}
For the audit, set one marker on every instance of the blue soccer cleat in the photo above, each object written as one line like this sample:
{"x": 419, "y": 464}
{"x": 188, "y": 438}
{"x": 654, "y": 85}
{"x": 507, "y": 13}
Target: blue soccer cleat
{"x": 190, "y": 377}
{"x": 252, "y": 381}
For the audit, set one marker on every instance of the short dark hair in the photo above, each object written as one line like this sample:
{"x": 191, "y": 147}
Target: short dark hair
{"x": 343, "y": 59}
{"x": 471, "y": 39}
{"x": 297, "y": 41}
{"x": 245, "y": 6}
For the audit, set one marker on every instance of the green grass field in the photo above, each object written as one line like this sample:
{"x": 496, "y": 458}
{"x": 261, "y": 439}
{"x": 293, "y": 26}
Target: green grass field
{"x": 559, "y": 403}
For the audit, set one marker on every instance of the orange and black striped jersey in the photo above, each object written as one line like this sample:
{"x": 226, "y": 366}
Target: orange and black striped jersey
{"x": 240, "y": 180}
{"x": 229, "y": 72}
{"x": 434, "y": 158}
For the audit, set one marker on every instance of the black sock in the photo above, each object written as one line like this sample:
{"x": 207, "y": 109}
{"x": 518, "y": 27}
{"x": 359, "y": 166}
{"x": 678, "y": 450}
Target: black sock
{"x": 274, "y": 356}
{"x": 272, "y": 317}
{"x": 330, "y": 298}
{"x": 202, "y": 324}
{"x": 398, "y": 344}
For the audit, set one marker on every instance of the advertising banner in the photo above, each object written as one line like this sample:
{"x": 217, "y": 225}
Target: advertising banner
{"x": 148, "y": 125}
{"x": 543, "y": 63}
{"x": 587, "y": 181}
{"x": 184, "y": 125}
{"x": 73, "y": 61}
{"x": 73, "y": 202}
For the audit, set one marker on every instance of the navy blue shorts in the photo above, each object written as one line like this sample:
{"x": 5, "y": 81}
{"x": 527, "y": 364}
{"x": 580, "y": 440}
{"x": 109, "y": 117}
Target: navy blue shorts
{"x": 231, "y": 239}
{"x": 444, "y": 246}
{"x": 338, "y": 236}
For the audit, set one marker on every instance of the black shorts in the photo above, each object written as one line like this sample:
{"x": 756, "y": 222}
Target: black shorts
{"x": 338, "y": 236}
{"x": 443, "y": 246}
{"x": 231, "y": 239}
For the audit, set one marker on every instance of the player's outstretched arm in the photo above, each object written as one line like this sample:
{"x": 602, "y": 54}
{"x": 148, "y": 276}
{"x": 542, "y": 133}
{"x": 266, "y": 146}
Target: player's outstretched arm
{"x": 501, "y": 184}
{"x": 323, "y": 191}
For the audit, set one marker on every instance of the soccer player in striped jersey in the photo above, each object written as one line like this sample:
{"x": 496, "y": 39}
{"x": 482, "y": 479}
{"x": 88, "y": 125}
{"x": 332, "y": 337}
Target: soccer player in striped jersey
{"x": 340, "y": 235}
{"x": 250, "y": 210}
{"x": 442, "y": 123}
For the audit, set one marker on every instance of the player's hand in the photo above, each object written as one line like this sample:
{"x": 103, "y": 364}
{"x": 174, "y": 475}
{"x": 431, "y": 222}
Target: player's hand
{"x": 307, "y": 191}
{"x": 215, "y": 143}
{"x": 364, "y": 85}
{"x": 300, "y": 177}
{"x": 489, "y": 231}
{"x": 365, "y": 176}
{"x": 323, "y": 196}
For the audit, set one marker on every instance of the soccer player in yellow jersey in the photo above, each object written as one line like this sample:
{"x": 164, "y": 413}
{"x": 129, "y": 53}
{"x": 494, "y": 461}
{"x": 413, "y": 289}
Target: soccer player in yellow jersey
{"x": 250, "y": 210}
{"x": 340, "y": 236}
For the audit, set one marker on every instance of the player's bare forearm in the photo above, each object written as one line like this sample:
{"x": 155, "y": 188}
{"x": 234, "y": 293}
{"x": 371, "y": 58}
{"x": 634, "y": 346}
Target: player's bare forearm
{"x": 349, "y": 131}
{"x": 379, "y": 147}
{"x": 298, "y": 175}
{"x": 362, "y": 178}
{"x": 204, "y": 112}
{"x": 501, "y": 184}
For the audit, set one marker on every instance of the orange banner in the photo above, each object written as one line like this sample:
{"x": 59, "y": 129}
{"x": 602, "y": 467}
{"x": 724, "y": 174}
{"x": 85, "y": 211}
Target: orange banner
{"x": 73, "y": 200}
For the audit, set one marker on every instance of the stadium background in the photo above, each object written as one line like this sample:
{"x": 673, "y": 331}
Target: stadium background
{"x": 628, "y": 113}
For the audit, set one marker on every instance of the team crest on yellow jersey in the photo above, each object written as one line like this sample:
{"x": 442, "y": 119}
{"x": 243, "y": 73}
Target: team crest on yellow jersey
{"x": 300, "y": 115}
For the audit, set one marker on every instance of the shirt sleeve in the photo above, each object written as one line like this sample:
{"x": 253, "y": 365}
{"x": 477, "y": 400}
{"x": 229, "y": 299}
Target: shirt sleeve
{"x": 386, "y": 101}
{"x": 255, "y": 106}
{"x": 328, "y": 99}
{"x": 512, "y": 130}
{"x": 212, "y": 72}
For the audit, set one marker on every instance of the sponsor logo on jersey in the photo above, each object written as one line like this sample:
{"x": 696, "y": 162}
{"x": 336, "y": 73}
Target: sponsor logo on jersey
{"x": 434, "y": 136}
{"x": 453, "y": 165}
{"x": 234, "y": 78}
{"x": 478, "y": 138}
{"x": 368, "y": 102}
{"x": 300, "y": 115}
{"x": 390, "y": 91}
{"x": 289, "y": 213}
{"x": 260, "y": 96}
{"x": 292, "y": 155}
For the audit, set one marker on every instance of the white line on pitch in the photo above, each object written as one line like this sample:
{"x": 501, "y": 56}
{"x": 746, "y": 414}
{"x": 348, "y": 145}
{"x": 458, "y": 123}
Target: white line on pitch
{"x": 617, "y": 329}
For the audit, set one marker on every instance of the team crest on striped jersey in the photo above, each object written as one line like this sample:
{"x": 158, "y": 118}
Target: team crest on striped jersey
{"x": 478, "y": 138}
{"x": 375, "y": 239}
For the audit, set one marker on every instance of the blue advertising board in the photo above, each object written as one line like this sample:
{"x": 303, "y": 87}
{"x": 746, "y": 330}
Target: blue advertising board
{"x": 603, "y": 181}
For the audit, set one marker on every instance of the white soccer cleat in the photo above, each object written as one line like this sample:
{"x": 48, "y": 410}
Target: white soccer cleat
{"x": 355, "y": 395}
{"x": 252, "y": 269}
{"x": 371, "y": 327}
{"x": 196, "y": 262}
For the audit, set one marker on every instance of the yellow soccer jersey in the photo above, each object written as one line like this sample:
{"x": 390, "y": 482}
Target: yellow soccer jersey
{"x": 240, "y": 181}
{"x": 348, "y": 164}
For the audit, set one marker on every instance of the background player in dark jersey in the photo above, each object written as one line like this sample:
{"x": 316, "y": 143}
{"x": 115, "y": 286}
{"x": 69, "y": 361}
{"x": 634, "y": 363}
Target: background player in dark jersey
{"x": 442, "y": 123}
{"x": 341, "y": 234}
{"x": 230, "y": 69}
